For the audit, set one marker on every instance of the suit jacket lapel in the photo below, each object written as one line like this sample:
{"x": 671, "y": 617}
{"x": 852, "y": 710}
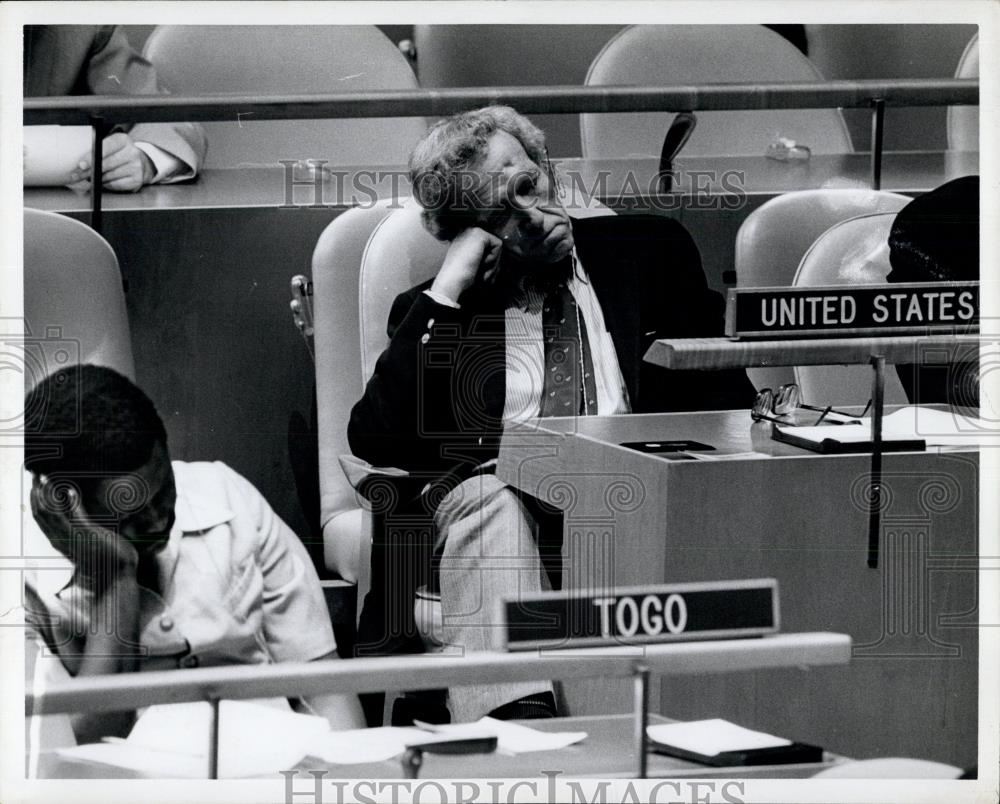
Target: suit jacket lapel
{"x": 614, "y": 275}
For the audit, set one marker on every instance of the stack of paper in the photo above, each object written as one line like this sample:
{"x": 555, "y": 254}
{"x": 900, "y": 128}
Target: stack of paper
{"x": 937, "y": 428}
{"x": 712, "y": 737}
{"x": 375, "y": 745}
{"x": 172, "y": 741}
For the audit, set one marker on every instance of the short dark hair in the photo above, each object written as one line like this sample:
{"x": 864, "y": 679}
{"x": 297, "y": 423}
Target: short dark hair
{"x": 450, "y": 149}
{"x": 89, "y": 421}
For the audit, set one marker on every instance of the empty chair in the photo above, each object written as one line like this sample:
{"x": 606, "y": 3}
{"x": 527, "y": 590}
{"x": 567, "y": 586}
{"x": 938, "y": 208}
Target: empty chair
{"x": 289, "y": 60}
{"x": 865, "y": 52}
{"x": 963, "y": 121}
{"x": 514, "y": 55}
{"x": 705, "y": 54}
{"x": 853, "y": 252}
{"x": 774, "y": 237}
{"x": 74, "y": 305}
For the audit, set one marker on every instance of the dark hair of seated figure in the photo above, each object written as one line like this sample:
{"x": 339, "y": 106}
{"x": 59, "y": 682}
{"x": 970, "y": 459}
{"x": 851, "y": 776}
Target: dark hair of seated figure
{"x": 89, "y": 421}
{"x": 935, "y": 238}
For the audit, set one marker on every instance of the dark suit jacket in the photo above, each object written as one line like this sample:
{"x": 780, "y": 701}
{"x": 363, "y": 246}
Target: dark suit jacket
{"x": 98, "y": 60}
{"x": 435, "y": 401}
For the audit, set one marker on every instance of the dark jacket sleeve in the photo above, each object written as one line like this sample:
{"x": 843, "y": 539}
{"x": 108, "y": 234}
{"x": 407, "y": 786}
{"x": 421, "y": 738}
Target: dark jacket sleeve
{"x": 403, "y": 419}
{"x": 681, "y": 305}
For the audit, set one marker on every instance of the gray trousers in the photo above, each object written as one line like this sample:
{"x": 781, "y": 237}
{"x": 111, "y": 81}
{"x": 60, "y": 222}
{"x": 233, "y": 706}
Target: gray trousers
{"x": 487, "y": 542}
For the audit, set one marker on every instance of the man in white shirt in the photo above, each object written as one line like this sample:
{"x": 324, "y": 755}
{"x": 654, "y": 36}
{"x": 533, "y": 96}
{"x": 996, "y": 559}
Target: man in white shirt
{"x": 171, "y": 565}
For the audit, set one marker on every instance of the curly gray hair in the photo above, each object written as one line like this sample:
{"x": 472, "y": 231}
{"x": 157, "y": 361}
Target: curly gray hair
{"x": 446, "y": 156}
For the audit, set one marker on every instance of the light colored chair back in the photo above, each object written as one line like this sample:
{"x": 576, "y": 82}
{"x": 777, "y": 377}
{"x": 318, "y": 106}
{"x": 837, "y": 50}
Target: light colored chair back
{"x": 362, "y": 261}
{"x": 774, "y": 237}
{"x": 853, "y": 252}
{"x": 74, "y": 305}
{"x": 963, "y": 121}
{"x": 705, "y": 54}
{"x": 514, "y": 55}
{"x": 287, "y": 60}
{"x": 335, "y": 270}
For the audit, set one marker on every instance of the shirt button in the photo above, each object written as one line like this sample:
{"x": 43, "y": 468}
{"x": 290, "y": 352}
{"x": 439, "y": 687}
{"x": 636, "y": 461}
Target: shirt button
{"x": 430, "y": 323}
{"x": 425, "y": 338}
{"x": 166, "y": 623}
{"x": 190, "y": 661}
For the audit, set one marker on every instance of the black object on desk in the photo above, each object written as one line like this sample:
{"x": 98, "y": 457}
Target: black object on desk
{"x": 831, "y": 446}
{"x": 658, "y": 447}
{"x": 413, "y": 757}
{"x": 791, "y": 754}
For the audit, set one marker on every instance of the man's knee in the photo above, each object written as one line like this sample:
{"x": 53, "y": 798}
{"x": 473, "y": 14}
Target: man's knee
{"x": 482, "y": 495}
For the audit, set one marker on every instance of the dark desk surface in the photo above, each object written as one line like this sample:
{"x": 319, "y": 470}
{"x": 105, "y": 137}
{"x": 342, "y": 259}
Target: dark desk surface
{"x": 615, "y": 179}
{"x": 607, "y": 752}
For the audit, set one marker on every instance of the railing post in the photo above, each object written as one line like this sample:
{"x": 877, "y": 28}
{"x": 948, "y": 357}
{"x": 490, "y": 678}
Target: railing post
{"x": 640, "y": 678}
{"x": 213, "y": 740}
{"x": 96, "y": 186}
{"x": 878, "y": 121}
{"x": 875, "y": 502}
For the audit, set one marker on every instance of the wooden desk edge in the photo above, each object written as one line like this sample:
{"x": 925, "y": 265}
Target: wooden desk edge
{"x": 724, "y": 353}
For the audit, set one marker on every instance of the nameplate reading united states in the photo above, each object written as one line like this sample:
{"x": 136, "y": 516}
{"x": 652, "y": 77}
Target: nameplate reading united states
{"x": 842, "y": 310}
{"x": 641, "y": 614}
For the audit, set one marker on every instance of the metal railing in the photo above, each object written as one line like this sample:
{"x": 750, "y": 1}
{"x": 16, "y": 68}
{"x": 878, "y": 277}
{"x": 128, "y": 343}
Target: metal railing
{"x": 103, "y": 112}
{"x": 430, "y": 671}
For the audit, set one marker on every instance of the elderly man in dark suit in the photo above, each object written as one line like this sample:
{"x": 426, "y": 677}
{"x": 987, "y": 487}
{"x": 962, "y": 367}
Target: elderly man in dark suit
{"x": 541, "y": 315}
{"x": 98, "y": 60}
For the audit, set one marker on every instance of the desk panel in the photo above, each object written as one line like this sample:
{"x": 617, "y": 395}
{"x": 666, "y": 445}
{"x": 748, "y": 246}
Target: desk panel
{"x": 632, "y": 518}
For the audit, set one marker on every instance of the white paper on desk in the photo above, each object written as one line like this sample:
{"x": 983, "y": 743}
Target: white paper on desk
{"x": 844, "y": 433}
{"x": 137, "y": 761}
{"x": 364, "y": 745}
{"x": 513, "y": 738}
{"x": 51, "y": 153}
{"x": 938, "y": 428}
{"x": 255, "y": 738}
{"x": 711, "y": 737}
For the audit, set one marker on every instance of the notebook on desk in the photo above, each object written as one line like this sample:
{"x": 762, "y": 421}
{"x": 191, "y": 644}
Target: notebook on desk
{"x": 839, "y": 439}
{"x": 910, "y": 428}
{"x": 720, "y": 743}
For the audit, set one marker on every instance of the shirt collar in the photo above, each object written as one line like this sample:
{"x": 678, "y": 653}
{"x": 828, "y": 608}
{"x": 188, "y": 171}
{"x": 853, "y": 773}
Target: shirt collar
{"x": 197, "y": 509}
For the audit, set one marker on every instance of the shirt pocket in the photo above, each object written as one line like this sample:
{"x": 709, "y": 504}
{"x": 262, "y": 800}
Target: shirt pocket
{"x": 244, "y": 595}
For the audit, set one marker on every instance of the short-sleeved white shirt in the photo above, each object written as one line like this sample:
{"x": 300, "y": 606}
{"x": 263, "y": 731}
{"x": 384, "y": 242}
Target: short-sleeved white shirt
{"x": 237, "y": 585}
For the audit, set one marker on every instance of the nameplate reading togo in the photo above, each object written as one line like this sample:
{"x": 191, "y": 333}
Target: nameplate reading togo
{"x": 641, "y": 615}
{"x": 904, "y": 309}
